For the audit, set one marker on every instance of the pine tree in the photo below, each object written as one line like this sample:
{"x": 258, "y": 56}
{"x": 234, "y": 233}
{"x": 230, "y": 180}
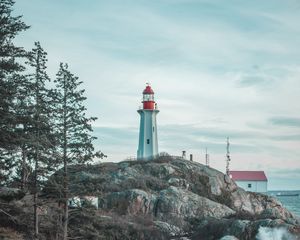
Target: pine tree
{"x": 40, "y": 148}
{"x": 10, "y": 70}
{"x": 73, "y": 129}
{"x": 22, "y": 112}
{"x": 9, "y": 53}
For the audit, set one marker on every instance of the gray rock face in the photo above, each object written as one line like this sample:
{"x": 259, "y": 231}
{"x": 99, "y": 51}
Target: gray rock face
{"x": 246, "y": 230}
{"x": 175, "y": 202}
{"x": 259, "y": 204}
{"x": 179, "y": 182}
{"x": 133, "y": 201}
{"x": 166, "y": 204}
{"x": 168, "y": 228}
{"x": 178, "y": 194}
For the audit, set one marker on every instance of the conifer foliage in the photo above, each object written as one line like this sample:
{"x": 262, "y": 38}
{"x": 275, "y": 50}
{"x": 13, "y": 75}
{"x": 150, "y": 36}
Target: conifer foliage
{"x": 41, "y": 129}
{"x": 10, "y": 70}
{"x": 73, "y": 129}
{"x": 10, "y": 27}
{"x": 43, "y": 141}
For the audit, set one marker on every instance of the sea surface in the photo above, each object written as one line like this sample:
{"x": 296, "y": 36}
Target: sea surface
{"x": 292, "y": 203}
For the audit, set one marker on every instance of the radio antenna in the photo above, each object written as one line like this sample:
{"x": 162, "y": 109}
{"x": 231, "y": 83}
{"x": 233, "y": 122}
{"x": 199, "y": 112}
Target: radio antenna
{"x": 206, "y": 158}
{"x": 227, "y": 157}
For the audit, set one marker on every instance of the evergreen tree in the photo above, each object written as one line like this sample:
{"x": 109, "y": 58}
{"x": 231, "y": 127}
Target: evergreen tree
{"x": 23, "y": 113}
{"x": 24, "y": 108}
{"x": 10, "y": 79}
{"x": 40, "y": 148}
{"x": 73, "y": 129}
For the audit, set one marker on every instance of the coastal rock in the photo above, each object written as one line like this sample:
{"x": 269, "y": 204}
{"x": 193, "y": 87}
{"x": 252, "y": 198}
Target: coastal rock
{"x": 132, "y": 201}
{"x": 213, "y": 228}
{"x": 178, "y": 198}
{"x": 176, "y": 202}
{"x": 169, "y": 203}
{"x": 171, "y": 230}
{"x": 179, "y": 182}
{"x": 260, "y": 205}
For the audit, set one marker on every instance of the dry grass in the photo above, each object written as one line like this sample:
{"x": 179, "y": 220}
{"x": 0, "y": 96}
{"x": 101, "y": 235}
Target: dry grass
{"x": 9, "y": 234}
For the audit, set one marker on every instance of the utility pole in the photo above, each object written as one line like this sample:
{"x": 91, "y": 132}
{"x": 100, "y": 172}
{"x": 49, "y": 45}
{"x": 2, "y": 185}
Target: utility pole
{"x": 206, "y": 158}
{"x": 227, "y": 157}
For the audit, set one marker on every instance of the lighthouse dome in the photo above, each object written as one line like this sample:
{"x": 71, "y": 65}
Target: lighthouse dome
{"x": 148, "y": 90}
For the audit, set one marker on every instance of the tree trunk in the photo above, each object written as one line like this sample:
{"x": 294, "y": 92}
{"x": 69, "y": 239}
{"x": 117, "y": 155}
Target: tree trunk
{"x": 36, "y": 216}
{"x": 66, "y": 183}
{"x": 58, "y": 225}
{"x": 24, "y": 172}
{"x": 66, "y": 208}
{"x": 37, "y": 149}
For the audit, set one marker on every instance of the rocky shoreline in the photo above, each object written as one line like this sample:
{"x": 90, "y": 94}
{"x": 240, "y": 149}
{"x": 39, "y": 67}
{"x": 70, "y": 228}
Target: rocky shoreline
{"x": 169, "y": 198}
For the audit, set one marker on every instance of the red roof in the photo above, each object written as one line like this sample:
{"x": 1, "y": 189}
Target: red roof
{"x": 148, "y": 90}
{"x": 248, "y": 175}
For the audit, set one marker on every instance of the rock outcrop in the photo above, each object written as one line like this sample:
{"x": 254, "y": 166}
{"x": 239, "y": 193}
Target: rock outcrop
{"x": 185, "y": 198}
{"x": 169, "y": 198}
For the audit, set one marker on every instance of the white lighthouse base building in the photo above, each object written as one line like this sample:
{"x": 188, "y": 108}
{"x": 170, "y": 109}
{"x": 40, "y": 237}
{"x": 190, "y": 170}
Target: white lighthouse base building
{"x": 148, "y": 145}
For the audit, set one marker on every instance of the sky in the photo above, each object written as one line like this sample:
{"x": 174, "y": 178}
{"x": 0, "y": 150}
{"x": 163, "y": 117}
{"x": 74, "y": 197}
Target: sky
{"x": 218, "y": 69}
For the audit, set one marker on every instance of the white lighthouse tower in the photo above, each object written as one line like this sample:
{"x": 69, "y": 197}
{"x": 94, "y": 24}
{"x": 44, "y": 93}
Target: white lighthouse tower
{"x": 148, "y": 146}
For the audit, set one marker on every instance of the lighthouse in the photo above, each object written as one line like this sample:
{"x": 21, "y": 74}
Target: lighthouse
{"x": 148, "y": 146}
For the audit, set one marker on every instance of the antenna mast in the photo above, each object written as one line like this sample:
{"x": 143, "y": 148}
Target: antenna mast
{"x": 206, "y": 158}
{"x": 227, "y": 157}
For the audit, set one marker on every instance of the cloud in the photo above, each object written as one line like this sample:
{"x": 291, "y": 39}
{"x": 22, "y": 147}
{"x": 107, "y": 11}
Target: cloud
{"x": 285, "y": 121}
{"x": 286, "y": 173}
{"x": 252, "y": 80}
{"x": 193, "y": 138}
{"x": 292, "y": 137}
{"x": 218, "y": 70}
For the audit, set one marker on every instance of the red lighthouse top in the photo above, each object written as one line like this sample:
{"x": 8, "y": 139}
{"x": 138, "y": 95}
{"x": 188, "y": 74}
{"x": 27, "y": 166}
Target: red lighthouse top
{"x": 148, "y": 98}
{"x": 148, "y": 90}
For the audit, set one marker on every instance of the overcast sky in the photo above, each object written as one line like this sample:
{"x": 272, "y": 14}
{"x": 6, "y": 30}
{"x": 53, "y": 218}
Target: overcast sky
{"x": 218, "y": 68}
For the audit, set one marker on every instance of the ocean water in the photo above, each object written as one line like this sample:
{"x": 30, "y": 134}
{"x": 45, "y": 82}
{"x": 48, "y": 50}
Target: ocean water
{"x": 292, "y": 203}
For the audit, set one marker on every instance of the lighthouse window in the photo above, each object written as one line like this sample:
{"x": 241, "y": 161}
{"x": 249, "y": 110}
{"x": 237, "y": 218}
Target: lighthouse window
{"x": 249, "y": 185}
{"x": 148, "y": 97}
{"x": 148, "y": 141}
{"x": 153, "y": 129}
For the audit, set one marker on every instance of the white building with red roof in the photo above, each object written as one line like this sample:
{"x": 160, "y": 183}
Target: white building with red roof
{"x": 254, "y": 181}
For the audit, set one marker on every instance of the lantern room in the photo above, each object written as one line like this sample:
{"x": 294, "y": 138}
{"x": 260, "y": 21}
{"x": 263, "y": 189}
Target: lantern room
{"x": 148, "y": 98}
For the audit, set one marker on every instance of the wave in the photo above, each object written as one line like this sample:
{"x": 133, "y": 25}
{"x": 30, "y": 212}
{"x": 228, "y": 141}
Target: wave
{"x": 266, "y": 233}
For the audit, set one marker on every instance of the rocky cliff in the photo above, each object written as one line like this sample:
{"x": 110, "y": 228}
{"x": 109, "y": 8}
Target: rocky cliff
{"x": 168, "y": 198}
{"x": 180, "y": 198}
